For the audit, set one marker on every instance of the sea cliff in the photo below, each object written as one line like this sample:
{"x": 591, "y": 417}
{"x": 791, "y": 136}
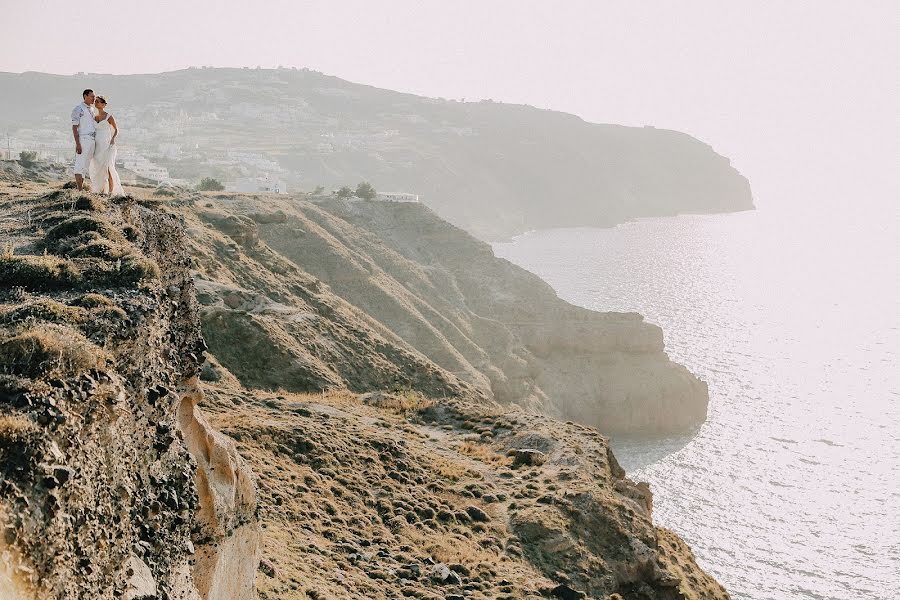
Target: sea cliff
{"x": 139, "y": 463}
{"x": 432, "y": 291}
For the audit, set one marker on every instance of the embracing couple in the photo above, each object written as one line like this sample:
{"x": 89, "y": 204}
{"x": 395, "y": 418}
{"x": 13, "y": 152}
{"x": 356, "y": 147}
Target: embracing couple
{"x": 95, "y": 132}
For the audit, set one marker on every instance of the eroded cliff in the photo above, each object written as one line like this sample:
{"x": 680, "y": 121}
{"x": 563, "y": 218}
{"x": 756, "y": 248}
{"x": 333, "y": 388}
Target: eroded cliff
{"x": 112, "y": 485}
{"x": 429, "y": 290}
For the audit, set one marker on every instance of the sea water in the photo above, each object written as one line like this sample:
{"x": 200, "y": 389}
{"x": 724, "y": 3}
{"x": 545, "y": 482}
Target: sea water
{"x": 791, "y": 488}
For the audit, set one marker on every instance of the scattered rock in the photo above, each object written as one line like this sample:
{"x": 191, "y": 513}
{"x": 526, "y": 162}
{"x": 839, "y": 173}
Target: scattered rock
{"x": 528, "y": 457}
{"x": 564, "y": 592}
{"x": 477, "y": 514}
{"x": 266, "y": 568}
{"x": 141, "y": 584}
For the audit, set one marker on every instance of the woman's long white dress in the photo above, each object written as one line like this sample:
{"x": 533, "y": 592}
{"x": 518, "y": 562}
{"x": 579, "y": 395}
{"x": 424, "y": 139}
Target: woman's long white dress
{"x": 104, "y": 162}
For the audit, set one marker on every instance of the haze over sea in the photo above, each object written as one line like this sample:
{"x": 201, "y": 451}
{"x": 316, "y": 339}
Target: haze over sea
{"x": 792, "y": 315}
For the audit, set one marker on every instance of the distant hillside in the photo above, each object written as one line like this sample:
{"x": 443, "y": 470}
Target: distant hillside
{"x": 493, "y": 169}
{"x": 362, "y": 295}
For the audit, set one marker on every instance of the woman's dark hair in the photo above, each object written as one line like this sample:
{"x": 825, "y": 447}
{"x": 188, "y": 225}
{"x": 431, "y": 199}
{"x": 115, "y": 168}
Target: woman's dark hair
{"x": 101, "y": 99}
{"x": 86, "y": 92}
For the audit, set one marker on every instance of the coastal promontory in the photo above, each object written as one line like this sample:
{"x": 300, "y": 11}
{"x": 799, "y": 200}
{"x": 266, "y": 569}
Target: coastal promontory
{"x": 187, "y": 412}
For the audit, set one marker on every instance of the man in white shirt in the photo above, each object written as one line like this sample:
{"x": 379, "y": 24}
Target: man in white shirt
{"x": 84, "y": 129}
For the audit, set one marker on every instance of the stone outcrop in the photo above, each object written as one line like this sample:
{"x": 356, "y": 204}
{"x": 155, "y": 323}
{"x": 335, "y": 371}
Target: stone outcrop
{"x": 112, "y": 484}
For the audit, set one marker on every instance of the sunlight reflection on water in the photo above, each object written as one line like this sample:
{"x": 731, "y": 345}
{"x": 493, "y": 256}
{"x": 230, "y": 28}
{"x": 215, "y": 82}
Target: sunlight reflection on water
{"x": 790, "y": 489}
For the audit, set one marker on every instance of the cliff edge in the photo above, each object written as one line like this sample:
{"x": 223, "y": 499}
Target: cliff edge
{"x": 112, "y": 482}
{"x": 126, "y": 460}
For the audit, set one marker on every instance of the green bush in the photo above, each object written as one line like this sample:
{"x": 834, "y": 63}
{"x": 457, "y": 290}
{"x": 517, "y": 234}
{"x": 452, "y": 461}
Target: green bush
{"x": 28, "y": 158}
{"x": 344, "y": 193}
{"x": 208, "y": 184}
{"x": 365, "y": 191}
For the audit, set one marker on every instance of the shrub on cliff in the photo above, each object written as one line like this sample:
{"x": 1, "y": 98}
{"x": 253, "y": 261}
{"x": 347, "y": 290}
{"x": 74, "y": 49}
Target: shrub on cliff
{"x": 365, "y": 191}
{"x": 44, "y": 309}
{"x": 208, "y": 184}
{"x": 78, "y": 225}
{"x": 49, "y": 273}
{"x": 93, "y": 300}
{"x": 28, "y": 158}
{"x": 37, "y": 272}
{"x": 90, "y": 203}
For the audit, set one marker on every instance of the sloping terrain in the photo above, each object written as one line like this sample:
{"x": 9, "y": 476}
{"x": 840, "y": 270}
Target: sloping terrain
{"x": 273, "y": 325}
{"x": 494, "y": 169}
{"x": 115, "y": 485}
{"x": 382, "y": 496}
{"x": 290, "y": 285}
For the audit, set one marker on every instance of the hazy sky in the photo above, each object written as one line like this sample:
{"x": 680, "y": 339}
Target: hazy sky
{"x": 803, "y": 96}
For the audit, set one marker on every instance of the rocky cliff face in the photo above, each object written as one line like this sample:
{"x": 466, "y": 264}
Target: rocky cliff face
{"x": 113, "y": 485}
{"x": 430, "y": 291}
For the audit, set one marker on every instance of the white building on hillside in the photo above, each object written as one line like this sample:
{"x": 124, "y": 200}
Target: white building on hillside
{"x": 397, "y": 197}
{"x": 256, "y": 185}
{"x": 146, "y": 169}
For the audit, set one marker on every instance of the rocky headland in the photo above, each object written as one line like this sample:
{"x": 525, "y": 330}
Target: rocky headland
{"x": 445, "y": 315}
{"x": 223, "y": 397}
{"x": 492, "y": 168}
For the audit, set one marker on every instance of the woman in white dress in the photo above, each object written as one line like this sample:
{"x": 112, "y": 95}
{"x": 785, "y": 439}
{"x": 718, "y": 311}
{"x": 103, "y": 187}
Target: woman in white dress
{"x": 104, "y": 178}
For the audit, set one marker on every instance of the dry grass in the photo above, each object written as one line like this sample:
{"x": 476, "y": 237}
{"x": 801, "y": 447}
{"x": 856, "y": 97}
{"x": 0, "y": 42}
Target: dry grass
{"x": 44, "y": 309}
{"x": 44, "y": 273}
{"x": 49, "y": 349}
{"x": 16, "y": 427}
{"x": 75, "y": 226}
{"x": 52, "y": 273}
{"x": 483, "y": 453}
{"x": 90, "y": 203}
{"x": 93, "y": 300}
{"x": 92, "y": 245}
{"x": 78, "y": 225}
{"x": 451, "y": 470}
{"x": 402, "y": 403}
